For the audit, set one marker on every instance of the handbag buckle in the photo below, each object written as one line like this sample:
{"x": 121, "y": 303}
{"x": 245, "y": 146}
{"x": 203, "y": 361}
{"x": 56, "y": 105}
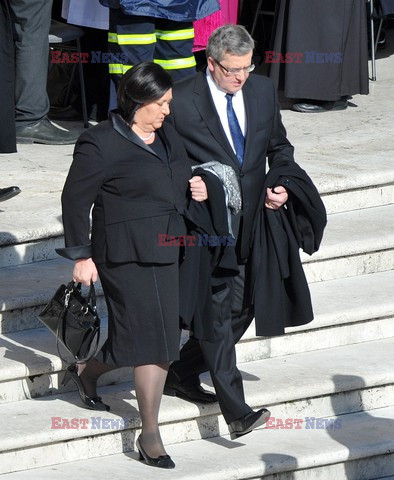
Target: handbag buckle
{"x": 67, "y": 297}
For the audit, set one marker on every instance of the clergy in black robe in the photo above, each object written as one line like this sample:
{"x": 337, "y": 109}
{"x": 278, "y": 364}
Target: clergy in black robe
{"x": 327, "y": 49}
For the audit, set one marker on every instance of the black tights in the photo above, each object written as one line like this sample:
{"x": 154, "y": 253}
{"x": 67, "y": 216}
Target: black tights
{"x": 149, "y": 383}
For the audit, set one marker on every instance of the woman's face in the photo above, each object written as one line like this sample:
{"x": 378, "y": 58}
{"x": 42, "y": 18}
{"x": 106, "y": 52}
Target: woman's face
{"x": 151, "y": 116}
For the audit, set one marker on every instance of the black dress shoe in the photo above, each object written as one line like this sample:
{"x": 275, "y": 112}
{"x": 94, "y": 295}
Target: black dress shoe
{"x": 193, "y": 393}
{"x": 318, "y": 106}
{"x": 9, "y": 192}
{"x": 92, "y": 403}
{"x": 45, "y": 132}
{"x": 164, "y": 461}
{"x": 246, "y": 424}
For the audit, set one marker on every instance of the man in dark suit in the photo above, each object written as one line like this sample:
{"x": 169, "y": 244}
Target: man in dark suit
{"x": 227, "y": 115}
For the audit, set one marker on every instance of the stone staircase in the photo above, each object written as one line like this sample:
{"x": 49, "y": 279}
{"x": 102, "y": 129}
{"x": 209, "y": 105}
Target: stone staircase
{"x": 339, "y": 367}
{"x": 329, "y": 385}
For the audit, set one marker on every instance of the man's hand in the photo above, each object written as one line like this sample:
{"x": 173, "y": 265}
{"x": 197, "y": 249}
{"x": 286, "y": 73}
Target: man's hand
{"x": 198, "y": 189}
{"x": 85, "y": 271}
{"x": 276, "y": 197}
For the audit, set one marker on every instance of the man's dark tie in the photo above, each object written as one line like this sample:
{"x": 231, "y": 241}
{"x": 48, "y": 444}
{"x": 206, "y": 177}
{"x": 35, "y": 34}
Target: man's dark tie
{"x": 235, "y": 129}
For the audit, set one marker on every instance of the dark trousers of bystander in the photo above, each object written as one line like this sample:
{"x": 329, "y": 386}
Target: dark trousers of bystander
{"x": 31, "y": 21}
{"x": 7, "y": 115}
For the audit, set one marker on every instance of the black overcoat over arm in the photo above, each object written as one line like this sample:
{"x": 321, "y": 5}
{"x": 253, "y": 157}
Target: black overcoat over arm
{"x": 211, "y": 252}
{"x": 280, "y": 292}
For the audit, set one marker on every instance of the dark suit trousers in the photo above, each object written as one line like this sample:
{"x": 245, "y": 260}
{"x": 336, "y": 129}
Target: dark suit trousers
{"x": 7, "y": 111}
{"x": 31, "y": 22}
{"x": 231, "y": 320}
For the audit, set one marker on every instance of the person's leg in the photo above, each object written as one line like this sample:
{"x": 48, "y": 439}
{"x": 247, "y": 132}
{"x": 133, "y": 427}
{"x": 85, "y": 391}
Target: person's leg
{"x": 232, "y": 317}
{"x": 220, "y": 357}
{"x": 131, "y": 40}
{"x": 191, "y": 362}
{"x": 85, "y": 376}
{"x": 217, "y": 356}
{"x": 31, "y": 22}
{"x": 90, "y": 372}
{"x": 149, "y": 384}
{"x": 242, "y": 312}
{"x": 7, "y": 112}
{"x": 174, "y": 48}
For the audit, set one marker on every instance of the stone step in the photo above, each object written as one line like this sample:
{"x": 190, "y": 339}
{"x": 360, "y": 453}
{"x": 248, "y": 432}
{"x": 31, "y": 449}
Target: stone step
{"x": 359, "y": 198}
{"x": 31, "y": 226}
{"x": 361, "y": 447}
{"x": 319, "y": 384}
{"x": 347, "y": 311}
{"x": 36, "y": 250}
{"x": 354, "y": 243}
{"x": 26, "y": 289}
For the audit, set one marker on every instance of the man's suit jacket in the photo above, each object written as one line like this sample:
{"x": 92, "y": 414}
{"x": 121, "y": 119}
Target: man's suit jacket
{"x": 136, "y": 195}
{"x": 195, "y": 118}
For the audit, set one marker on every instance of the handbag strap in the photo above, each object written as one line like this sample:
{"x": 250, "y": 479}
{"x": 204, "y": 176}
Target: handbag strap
{"x": 91, "y": 298}
{"x": 59, "y": 330}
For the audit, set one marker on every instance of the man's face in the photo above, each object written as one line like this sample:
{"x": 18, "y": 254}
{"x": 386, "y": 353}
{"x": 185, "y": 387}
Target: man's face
{"x": 222, "y": 71}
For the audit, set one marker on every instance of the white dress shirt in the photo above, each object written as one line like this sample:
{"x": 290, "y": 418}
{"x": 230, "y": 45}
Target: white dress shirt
{"x": 220, "y": 101}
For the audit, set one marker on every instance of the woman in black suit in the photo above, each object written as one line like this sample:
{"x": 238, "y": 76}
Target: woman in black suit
{"x": 135, "y": 172}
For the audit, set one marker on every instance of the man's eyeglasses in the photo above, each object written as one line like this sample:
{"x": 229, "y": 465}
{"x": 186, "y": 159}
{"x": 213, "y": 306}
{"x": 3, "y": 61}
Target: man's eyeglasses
{"x": 236, "y": 71}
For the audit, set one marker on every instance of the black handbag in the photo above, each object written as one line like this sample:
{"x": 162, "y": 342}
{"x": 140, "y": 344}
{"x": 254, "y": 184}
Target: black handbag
{"x": 74, "y": 320}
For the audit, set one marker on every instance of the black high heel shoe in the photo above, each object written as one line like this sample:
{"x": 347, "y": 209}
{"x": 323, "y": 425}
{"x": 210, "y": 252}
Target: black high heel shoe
{"x": 164, "y": 461}
{"x": 93, "y": 403}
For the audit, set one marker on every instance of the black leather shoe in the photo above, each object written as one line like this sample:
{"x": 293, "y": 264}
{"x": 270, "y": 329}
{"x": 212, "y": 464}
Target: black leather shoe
{"x": 45, "y": 132}
{"x": 193, "y": 393}
{"x": 317, "y": 106}
{"x": 9, "y": 192}
{"x": 246, "y": 424}
{"x": 164, "y": 461}
{"x": 92, "y": 403}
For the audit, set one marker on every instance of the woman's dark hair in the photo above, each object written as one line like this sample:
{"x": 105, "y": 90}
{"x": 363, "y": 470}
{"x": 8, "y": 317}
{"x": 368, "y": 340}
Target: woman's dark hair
{"x": 142, "y": 84}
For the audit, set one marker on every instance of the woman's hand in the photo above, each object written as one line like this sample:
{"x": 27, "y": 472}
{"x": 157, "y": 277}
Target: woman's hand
{"x": 276, "y": 197}
{"x": 85, "y": 271}
{"x": 198, "y": 189}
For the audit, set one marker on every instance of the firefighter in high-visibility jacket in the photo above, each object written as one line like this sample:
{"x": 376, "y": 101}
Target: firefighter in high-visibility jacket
{"x": 159, "y": 30}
